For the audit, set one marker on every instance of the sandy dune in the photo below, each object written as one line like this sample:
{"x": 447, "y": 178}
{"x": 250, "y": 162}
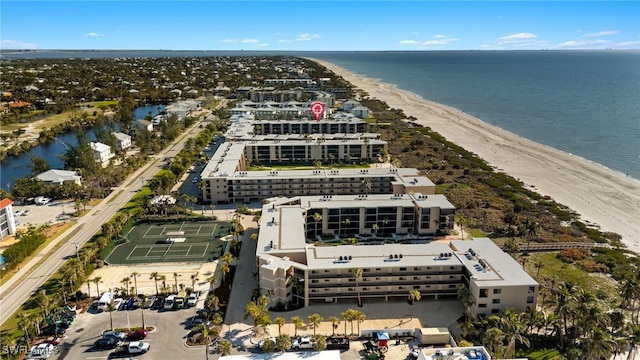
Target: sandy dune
{"x": 602, "y": 196}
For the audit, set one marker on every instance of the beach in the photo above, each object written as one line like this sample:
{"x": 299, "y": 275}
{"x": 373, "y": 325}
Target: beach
{"x": 602, "y": 197}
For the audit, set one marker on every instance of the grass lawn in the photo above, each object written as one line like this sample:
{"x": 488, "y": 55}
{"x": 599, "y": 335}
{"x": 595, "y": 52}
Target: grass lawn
{"x": 539, "y": 354}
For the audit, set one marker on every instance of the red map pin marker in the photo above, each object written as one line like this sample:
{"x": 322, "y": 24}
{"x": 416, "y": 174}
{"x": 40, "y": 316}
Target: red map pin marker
{"x": 317, "y": 109}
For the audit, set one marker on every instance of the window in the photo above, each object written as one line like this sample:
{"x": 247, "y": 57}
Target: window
{"x": 416, "y": 286}
{"x": 416, "y": 278}
{"x": 496, "y": 301}
{"x": 452, "y": 286}
{"x": 403, "y": 269}
{"x": 483, "y": 293}
{"x": 416, "y": 269}
{"x": 314, "y": 281}
{"x": 529, "y": 299}
{"x": 532, "y": 289}
{"x": 497, "y": 291}
{"x": 495, "y": 311}
{"x": 482, "y": 305}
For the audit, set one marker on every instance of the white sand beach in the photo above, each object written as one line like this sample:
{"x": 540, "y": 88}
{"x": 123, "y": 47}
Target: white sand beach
{"x": 600, "y": 195}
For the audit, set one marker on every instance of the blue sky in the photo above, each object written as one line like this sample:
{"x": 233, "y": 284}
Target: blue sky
{"x": 326, "y": 25}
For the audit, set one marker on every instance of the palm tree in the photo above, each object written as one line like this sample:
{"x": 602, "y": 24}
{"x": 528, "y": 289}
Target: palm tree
{"x": 599, "y": 346}
{"x": 464, "y": 294}
{"x": 319, "y": 342}
{"x": 256, "y": 219}
{"x": 111, "y": 307}
{"x": 531, "y": 228}
{"x": 194, "y": 278}
{"x": 135, "y": 282}
{"x": 283, "y": 342}
{"x": 314, "y": 319}
{"x": 461, "y": 221}
{"x": 375, "y": 228}
{"x": 224, "y": 347}
{"x": 346, "y": 222}
{"x": 514, "y": 330}
{"x": 493, "y": 339}
{"x": 205, "y": 331}
{"x": 367, "y": 186}
{"x": 414, "y": 295}
{"x": 212, "y": 282}
{"x": 280, "y": 322}
{"x": 317, "y": 217}
{"x": 334, "y": 324}
{"x": 175, "y": 277}
{"x": 357, "y": 275}
{"x": 297, "y": 324}
{"x": 126, "y": 281}
{"x": 23, "y": 323}
{"x": 155, "y": 277}
{"x": 224, "y": 269}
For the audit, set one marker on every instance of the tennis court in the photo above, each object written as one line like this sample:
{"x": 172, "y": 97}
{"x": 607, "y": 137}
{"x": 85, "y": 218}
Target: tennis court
{"x": 171, "y": 242}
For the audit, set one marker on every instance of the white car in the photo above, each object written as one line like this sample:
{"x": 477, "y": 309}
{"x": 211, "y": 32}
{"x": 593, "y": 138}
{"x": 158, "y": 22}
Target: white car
{"x": 261, "y": 343}
{"x": 193, "y": 299}
{"x": 41, "y": 351}
{"x": 117, "y": 303}
{"x": 138, "y": 347}
{"x": 302, "y": 343}
{"x": 18, "y": 213}
{"x": 26, "y": 212}
{"x": 114, "y": 334}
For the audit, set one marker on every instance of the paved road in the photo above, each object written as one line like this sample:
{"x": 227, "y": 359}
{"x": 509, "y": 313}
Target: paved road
{"x": 17, "y": 290}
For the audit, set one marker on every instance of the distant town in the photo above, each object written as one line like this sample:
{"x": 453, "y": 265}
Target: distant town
{"x": 235, "y": 207}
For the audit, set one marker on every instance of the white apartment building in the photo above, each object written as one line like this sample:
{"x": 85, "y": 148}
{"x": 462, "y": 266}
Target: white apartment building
{"x": 7, "y": 219}
{"x": 307, "y": 272}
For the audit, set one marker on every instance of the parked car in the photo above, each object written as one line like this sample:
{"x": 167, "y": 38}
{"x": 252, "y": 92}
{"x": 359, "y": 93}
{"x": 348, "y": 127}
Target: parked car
{"x": 26, "y": 212}
{"x": 106, "y": 343}
{"x": 137, "y": 335}
{"x": 158, "y": 303}
{"x": 52, "y": 330}
{"x": 302, "y": 343}
{"x": 41, "y": 351}
{"x": 128, "y": 304}
{"x": 18, "y": 213}
{"x": 119, "y": 335}
{"x": 197, "y": 320}
{"x": 138, "y": 347}
{"x": 117, "y": 303}
{"x": 193, "y": 299}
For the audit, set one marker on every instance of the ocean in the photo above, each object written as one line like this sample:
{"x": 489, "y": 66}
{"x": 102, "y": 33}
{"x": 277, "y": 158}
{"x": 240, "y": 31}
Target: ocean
{"x": 586, "y": 103}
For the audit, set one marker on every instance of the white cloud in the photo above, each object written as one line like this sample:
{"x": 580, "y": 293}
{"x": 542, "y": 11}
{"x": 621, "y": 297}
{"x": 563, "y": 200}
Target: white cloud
{"x": 16, "y": 44}
{"x": 307, "y": 37}
{"x": 283, "y": 41}
{"x": 409, "y": 42}
{"x": 439, "y": 40}
{"x": 262, "y": 45}
{"x": 602, "y": 33}
{"x": 516, "y": 38}
{"x": 93, "y": 34}
{"x": 229, "y": 41}
{"x": 635, "y": 44}
{"x": 249, "y": 41}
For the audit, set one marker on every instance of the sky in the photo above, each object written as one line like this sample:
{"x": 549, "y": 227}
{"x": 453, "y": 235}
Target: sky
{"x": 330, "y": 25}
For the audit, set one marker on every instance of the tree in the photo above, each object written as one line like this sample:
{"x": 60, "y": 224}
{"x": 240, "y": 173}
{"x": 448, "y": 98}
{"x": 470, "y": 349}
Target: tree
{"x": 110, "y": 308}
{"x": 334, "y": 324}
{"x": 317, "y": 217}
{"x": 464, "y": 294}
{"x": 175, "y": 278}
{"x": 280, "y": 322}
{"x": 135, "y": 282}
{"x": 414, "y": 295}
{"x": 599, "y": 346}
{"x": 23, "y": 323}
{"x": 367, "y": 185}
{"x": 319, "y": 342}
{"x": 256, "y": 219}
{"x": 297, "y": 324}
{"x": 283, "y": 342}
{"x": 126, "y": 281}
{"x": 155, "y": 277}
{"x": 461, "y": 221}
{"x": 224, "y": 347}
{"x": 314, "y": 319}
{"x": 204, "y": 329}
{"x": 194, "y": 278}
{"x": 514, "y": 330}
{"x": 268, "y": 346}
{"x": 357, "y": 275}
{"x": 143, "y": 299}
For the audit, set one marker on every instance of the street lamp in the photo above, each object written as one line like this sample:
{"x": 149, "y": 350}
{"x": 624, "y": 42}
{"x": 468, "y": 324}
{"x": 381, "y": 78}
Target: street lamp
{"x": 77, "y": 254}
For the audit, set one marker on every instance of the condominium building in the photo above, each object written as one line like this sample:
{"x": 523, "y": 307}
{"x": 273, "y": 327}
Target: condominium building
{"x": 7, "y": 220}
{"x": 392, "y": 264}
{"x": 225, "y": 179}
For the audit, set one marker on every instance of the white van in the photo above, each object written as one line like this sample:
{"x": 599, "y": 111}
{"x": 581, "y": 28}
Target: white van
{"x": 105, "y": 300}
{"x": 169, "y": 302}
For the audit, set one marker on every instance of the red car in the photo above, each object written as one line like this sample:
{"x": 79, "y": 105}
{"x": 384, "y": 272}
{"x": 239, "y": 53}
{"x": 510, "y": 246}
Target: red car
{"x": 137, "y": 335}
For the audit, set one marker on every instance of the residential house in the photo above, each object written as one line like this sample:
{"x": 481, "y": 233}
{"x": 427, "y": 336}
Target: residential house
{"x": 59, "y": 177}
{"x": 123, "y": 141}
{"x": 101, "y": 152}
{"x": 360, "y": 111}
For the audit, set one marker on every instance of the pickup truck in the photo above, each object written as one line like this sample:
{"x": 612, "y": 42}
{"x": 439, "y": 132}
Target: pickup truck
{"x": 302, "y": 343}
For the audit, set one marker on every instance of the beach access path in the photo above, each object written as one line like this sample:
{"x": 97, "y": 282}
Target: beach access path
{"x": 600, "y": 195}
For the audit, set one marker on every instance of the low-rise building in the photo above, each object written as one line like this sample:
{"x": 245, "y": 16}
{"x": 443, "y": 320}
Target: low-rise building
{"x": 101, "y": 152}
{"x": 304, "y": 272}
{"x": 7, "y": 220}
{"x": 59, "y": 177}
{"x": 123, "y": 141}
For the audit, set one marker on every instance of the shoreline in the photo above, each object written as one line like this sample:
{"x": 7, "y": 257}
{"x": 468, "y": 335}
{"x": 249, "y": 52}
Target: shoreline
{"x": 601, "y": 196}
